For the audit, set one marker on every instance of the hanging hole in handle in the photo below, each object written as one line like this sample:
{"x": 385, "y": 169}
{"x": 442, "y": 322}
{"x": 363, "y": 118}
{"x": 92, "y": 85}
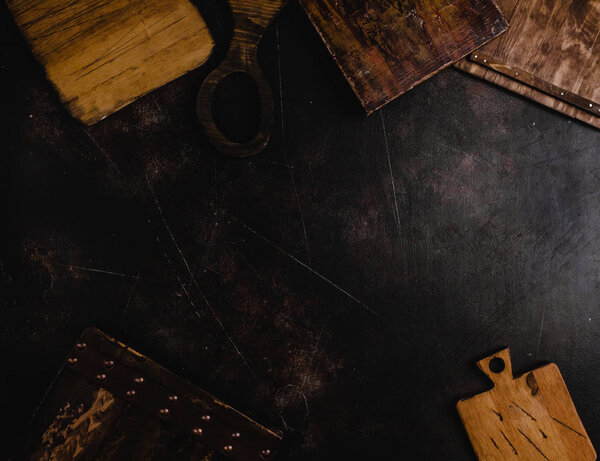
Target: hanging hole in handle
{"x": 236, "y": 107}
{"x": 497, "y": 365}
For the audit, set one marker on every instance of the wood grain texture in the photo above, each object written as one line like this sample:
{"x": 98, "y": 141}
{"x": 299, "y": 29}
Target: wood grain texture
{"x": 102, "y": 55}
{"x": 250, "y": 19}
{"x": 531, "y": 417}
{"x": 556, "y": 42}
{"x": 385, "y": 48}
{"x": 86, "y": 418}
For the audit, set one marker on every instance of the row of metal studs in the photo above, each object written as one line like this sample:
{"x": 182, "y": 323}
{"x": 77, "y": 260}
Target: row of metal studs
{"x": 562, "y": 93}
{"x": 163, "y": 412}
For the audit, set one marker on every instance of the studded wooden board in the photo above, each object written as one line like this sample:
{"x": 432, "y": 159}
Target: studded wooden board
{"x": 110, "y": 402}
{"x": 531, "y": 417}
{"x": 101, "y": 55}
{"x": 550, "y": 54}
{"x": 384, "y": 47}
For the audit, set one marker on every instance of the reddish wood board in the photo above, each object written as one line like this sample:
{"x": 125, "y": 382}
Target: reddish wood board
{"x": 385, "y": 48}
{"x": 551, "y": 54}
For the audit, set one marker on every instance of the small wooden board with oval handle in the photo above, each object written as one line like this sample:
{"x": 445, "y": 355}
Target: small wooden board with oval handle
{"x": 531, "y": 417}
{"x": 101, "y": 55}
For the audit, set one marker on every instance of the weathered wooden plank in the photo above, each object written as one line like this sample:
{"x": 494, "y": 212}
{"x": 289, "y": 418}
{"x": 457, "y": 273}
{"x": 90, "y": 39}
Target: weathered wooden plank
{"x": 102, "y": 55}
{"x": 555, "y": 42}
{"x": 110, "y": 402}
{"x": 385, "y": 48}
{"x": 530, "y": 417}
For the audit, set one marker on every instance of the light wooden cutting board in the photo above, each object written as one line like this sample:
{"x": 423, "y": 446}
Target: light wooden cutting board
{"x": 101, "y": 55}
{"x": 531, "y": 417}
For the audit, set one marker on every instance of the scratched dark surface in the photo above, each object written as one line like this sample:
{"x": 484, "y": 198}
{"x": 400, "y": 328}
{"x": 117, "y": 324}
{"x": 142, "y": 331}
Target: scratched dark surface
{"x": 337, "y": 287}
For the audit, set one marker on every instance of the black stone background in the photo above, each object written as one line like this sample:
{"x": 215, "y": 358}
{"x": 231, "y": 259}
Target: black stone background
{"x": 337, "y": 287}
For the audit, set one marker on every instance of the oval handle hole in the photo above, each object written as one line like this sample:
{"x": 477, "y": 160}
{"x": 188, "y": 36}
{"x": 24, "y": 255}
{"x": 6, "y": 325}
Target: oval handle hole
{"x": 497, "y": 365}
{"x": 236, "y": 107}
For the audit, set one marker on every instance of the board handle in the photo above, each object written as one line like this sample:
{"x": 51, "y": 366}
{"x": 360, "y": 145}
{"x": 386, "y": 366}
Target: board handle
{"x": 498, "y": 367}
{"x": 242, "y": 57}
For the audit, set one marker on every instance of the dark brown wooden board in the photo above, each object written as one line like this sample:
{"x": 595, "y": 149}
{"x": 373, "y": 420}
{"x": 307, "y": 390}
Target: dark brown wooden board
{"x": 109, "y": 402}
{"x": 385, "y": 48}
{"x": 551, "y": 55}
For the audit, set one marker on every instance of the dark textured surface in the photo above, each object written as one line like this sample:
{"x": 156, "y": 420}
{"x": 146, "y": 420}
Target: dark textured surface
{"x": 340, "y": 285}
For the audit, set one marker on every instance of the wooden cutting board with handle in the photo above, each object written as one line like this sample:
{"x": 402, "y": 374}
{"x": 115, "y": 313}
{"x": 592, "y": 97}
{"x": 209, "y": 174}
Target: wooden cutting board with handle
{"x": 551, "y": 54}
{"x": 101, "y": 55}
{"x": 250, "y": 20}
{"x": 386, "y": 47}
{"x": 531, "y": 417}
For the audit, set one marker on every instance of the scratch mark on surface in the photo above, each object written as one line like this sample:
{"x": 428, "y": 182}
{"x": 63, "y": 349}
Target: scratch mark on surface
{"x": 103, "y": 152}
{"x": 523, "y": 410}
{"x": 302, "y": 394}
{"x": 189, "y": 270}
{"x": 132, "y": 292}
{"x": 568, "y": 427}
{"x": 283, "y": 152}
{"x": 541, "y": 330}
{"x": 314, "y": 352}
{"x": 307, "y": 267}
{"x": 387, "y": 151}
{"x": 99, "y": 271}
{"x": 534, "y": 445}
{"x": 499, "y": 415}
{"x": 494, "y": 442}
{"x": 508, "y": 441}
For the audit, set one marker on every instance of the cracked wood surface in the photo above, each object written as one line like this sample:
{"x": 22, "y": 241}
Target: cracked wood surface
{"x": 102, "y": 55}
{"x": 557, "y": 43}
{"x": 530, "y": 417}
{"x": 384, "y": 48}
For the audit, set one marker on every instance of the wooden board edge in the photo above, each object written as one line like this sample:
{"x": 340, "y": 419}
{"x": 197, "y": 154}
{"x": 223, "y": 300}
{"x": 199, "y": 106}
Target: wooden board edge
{"x": 372, "y": 108}
{"x": 581, "y": 427}
{"x": 485, "y": 73}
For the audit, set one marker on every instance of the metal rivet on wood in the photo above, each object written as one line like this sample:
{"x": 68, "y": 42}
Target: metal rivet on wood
{"x": 536, "y": 82}
{"x": 182, "y": 411}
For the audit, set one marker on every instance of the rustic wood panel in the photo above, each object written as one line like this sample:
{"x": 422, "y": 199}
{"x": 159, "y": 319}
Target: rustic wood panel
{"x": 531, "y": 417}
{"x": 102, "y": 55}
{"x": 385, "y": 48}
{"x": 556, "y": 42}
{"x": 87, "y": 414}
